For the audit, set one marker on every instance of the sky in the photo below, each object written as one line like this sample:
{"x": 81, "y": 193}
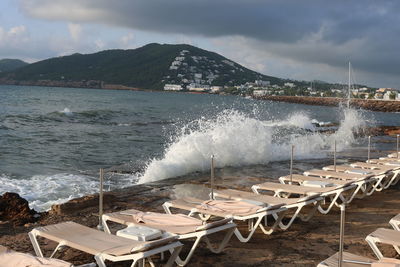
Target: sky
{"x": 302, "y": 40}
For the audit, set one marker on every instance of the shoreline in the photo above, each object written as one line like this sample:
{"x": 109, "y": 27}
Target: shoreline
{"x": 303, "y": 244}
{"x": 367, "y": 104}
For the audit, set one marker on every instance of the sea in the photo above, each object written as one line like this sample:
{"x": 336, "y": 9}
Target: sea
{"x": 53, "y": 141}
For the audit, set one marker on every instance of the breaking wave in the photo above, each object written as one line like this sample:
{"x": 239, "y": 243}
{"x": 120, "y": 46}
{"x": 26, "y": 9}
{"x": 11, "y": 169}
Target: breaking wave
{"x": 237, "y": 139}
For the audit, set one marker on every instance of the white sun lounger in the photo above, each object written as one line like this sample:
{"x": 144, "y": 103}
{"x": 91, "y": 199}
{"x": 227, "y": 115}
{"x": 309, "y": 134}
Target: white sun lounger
{"x": 385, "y": 160}
{"x": 251, "y": 213}
{"x": 384, "y": 236}
{"x": 353, "y": 260}
{"x": 334, "y": 193}
{"x": 392, "y": 171}
{"x": 394, "y": 155}
{"x": 183, "y": 226}
{"x": 296, "y": 204}
{"x": 349, "y": 260}
{"x": 103, "y": 246}
{"x": 306, "y": 180}
{"x": 367, "y": 182}
{"x": 395, "y": 222}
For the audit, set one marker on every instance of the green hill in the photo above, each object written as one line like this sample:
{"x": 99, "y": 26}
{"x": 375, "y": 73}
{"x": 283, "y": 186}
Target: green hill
{"x": 11, "y": 64}
{"x": 148, "y": 67}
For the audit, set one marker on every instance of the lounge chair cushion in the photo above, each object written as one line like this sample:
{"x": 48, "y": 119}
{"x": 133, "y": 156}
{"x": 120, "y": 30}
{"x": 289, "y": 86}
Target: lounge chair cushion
{"x": 17, "y": 259}
{"x": 172, "y": 223}
{"x": 229, "y": 206}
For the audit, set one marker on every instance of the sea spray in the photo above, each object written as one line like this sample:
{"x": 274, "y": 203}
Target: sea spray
{"x": 67, "y": 112}
{"x": 43, "y": 191}
{"x": 237, "y": 139}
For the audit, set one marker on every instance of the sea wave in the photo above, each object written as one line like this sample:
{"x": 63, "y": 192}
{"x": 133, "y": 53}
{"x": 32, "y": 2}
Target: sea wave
{"x": 43, "y": 191}
{"x": 237, "y": 139}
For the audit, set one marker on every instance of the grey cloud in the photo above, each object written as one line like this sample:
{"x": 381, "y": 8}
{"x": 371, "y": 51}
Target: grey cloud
{"x": 314, "y": 31}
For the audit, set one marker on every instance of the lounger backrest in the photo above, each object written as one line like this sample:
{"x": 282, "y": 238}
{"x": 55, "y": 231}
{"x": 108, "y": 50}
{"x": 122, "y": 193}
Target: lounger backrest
{"x": 302, "y": 178}
{"x": 93, "y": 241}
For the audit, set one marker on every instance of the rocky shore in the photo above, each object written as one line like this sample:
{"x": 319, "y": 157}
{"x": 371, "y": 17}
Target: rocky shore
{"x": 368, "y": 104}
{"x": 304, "y": 244}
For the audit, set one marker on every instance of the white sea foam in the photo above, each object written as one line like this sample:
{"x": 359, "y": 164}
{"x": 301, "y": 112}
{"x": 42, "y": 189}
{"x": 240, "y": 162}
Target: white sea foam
{"x": 43, "y": 191}
{"x": 67, "y": 112}
{"x": 237, "y": 139}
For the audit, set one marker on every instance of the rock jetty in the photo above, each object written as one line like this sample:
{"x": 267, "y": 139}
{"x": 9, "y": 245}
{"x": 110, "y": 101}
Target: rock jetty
{"x": 368, "y": 104}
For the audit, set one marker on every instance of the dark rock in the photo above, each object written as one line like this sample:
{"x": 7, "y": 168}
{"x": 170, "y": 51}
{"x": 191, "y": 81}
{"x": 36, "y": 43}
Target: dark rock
{"x": 369, "y": 104}
{"x": 78, "y": 205}
{"x": 16, "y": 209}
{"x": 5, "y": 227}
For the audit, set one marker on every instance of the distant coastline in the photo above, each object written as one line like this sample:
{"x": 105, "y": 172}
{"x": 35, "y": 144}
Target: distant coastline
{"x": 368, "y": 104}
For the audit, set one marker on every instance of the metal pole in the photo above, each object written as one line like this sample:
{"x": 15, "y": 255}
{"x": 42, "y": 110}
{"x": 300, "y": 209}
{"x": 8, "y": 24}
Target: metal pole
{"x": 369, "y": 148}
{"x": 291, "y": 164}
{"x": 341, "y": 237}
{"x": 100, "y": 226}
{"x": 349, "y": 89}
{"x": 397, "y": 146}
{"x": 212, "y": 177}
{"x": 334, "y": 155}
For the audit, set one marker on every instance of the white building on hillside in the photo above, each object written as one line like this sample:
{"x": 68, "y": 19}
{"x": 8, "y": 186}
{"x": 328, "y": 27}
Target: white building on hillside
{"x": 198, "y": 87}
{"x": 216, "y": 89}
{"x": 291, "y": 85}
{"x": 173, "y": 87}
{"x": 261, "y": 92}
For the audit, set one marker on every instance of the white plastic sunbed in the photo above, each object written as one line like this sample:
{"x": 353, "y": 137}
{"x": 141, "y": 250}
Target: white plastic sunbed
{"x": 238, "y": 210}
{"x": 367, "y": 181}
{"x": 353, "y": 260}
{"x": 307, "y": 180}
{"x": 103, "y": 246}
{"x": 392, "y": 171}
{"x": 334, "y": 193}
{"x": 295, "y": 204}
{"x": 384, "y": 236}
{"x": 183, "y": 226}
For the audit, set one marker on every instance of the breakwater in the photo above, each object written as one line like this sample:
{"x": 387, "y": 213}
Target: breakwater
{"x": 368, "y": 104}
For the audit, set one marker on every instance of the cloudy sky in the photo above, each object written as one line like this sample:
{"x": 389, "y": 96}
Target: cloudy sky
{"x": 305, "y": 40}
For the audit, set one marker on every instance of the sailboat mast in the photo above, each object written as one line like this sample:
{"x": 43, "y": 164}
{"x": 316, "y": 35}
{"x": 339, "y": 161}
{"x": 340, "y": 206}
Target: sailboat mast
{"x": 349, "y": 89}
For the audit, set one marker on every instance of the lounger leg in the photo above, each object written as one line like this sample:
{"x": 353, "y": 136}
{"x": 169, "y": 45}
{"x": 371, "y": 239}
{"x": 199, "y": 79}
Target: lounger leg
{"x": 100, "y": 260}
{"x": 333, "y": 202}
{"x": 59, "y": 246}
{"x": 174, "y": 256}
{"x": 278, "y": 221}
{"x": 372, "y": 243}
{"x": 35, "y": 243}
{"x": 311, "y": 213}
{"x": 280, "y": 218}
{"x": 222, "y": 245}
{"x": 246, "y": 239}
{"x": 105, "y": 225}
{"x": 250, "y": 224}
{"x": 379, "y": 184}
{"x": 166, "y": 208}
{"x": 355, "y": 192}
{"x": 204, "y": 217}
{"x": 396, "y": 177}
{"x": 393, "y": 180}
